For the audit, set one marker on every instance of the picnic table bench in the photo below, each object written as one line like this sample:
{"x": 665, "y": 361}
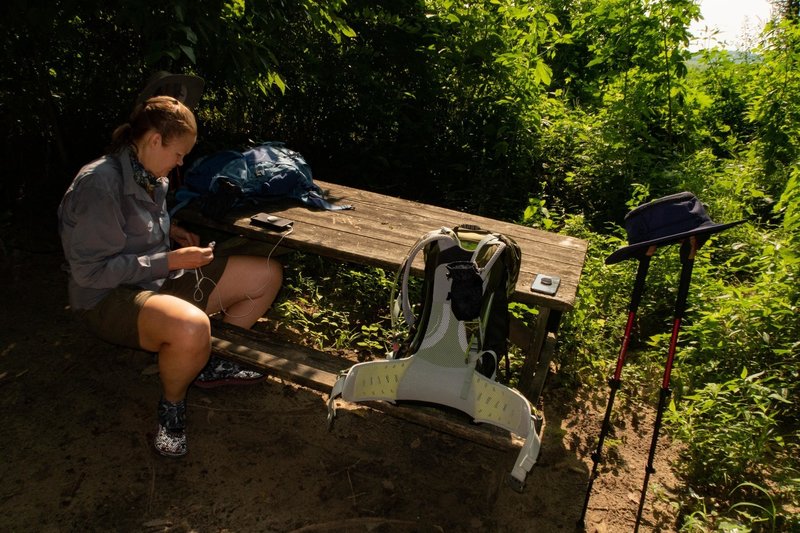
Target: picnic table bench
{"x": 379, "y": 232}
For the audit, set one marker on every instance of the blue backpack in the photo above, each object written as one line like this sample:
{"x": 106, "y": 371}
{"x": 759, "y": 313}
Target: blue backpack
{"x": 229, "y": 178}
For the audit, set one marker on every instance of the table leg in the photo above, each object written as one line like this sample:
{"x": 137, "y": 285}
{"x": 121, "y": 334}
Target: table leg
{"x": 538, "y": 344}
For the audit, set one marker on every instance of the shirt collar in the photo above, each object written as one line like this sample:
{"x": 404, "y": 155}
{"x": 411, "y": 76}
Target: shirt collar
{"x": 146, "y": 179}
{"x": 131, "y": 187}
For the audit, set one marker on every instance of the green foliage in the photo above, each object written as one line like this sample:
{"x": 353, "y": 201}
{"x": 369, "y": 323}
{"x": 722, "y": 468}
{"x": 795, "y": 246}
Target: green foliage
{"x": 730, "y": 429}
{"x": 559, "y": 115}
{"x": 774, "y": 111}
{"x": 78, "y": 67}
{"x": 720, "y": 85}
{"x": 306, "y": 306}
{"x": 590, "y": 333}
{"x": 739, "y": 429}
{"x": 755, "y": 511}
{"x": 338, "y": 306}
{"x": 743, "y": 430}
{"x": 789, "y": 208}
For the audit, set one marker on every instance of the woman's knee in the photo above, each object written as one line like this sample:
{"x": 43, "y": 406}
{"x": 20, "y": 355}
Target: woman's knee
{"x": 192, "y": 330}
{"x": 167, "y": 320}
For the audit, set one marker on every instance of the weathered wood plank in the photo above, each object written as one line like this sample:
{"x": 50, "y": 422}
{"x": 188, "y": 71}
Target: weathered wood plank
{"x": 285, "y": 350}
{"x": 458, "y": 426}
{"x": 275, "y": 365}
{"x": 381, "y": 230}
{"x": 318, "y": 371}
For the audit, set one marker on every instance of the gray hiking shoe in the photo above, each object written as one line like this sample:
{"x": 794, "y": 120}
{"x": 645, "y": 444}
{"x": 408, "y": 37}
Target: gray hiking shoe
{"x": 170, "y": 440}
{"x": 219, "y": 372}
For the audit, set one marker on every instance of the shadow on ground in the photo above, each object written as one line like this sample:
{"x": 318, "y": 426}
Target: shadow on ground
{"x": 79, "y": 414}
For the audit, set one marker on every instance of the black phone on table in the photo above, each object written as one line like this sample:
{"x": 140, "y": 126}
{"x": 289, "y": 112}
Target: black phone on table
{"x": 276, "y": 223}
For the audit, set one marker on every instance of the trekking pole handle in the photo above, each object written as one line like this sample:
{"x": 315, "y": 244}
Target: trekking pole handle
{"x": 641, "y": 274}
{"x": 688, "y": 251}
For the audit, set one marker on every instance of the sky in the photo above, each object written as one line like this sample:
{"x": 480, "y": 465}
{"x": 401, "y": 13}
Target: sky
{"x": 730, "y": 18}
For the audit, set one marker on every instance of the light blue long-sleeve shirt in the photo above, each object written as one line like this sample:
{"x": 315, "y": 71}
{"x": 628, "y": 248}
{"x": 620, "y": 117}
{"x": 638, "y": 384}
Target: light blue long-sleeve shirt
{"x": 112, "y": 232}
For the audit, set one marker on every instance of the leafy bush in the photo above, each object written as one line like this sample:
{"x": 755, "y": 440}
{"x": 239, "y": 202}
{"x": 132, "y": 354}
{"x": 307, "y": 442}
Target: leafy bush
{"x": 338, "y": 305}
{"x": 730, "y": 429}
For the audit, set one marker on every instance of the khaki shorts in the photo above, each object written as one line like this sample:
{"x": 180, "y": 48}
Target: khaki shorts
{"x": 115, "y": 319}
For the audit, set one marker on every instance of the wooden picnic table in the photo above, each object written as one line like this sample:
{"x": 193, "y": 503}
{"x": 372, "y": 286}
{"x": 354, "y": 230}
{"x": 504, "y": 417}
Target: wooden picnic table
{"x": 381, "y": 230}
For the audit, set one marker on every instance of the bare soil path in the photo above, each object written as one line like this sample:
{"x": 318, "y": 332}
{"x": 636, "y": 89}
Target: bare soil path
{"x": 78, "y": 417}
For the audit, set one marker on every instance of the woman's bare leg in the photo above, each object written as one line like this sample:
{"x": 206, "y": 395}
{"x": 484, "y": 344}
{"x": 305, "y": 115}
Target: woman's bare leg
{"x": 181, "y": 334}
{"x": 246, "y": 289}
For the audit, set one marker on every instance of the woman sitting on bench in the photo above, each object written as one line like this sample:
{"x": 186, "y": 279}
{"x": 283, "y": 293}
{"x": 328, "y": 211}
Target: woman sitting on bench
{"x": 132, "y": 288}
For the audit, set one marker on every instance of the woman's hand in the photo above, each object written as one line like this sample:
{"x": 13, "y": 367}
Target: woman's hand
{"x": 190, "y": 257}
{"x": 183, "y": 237}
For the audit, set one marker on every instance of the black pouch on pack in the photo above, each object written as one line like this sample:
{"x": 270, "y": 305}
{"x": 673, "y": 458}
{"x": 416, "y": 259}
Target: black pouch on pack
{"x": 466, "y": 289}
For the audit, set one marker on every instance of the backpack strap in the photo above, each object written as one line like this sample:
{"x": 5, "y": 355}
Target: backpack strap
{"x": 489, "y": 240}
{"x": 401, "y": 302}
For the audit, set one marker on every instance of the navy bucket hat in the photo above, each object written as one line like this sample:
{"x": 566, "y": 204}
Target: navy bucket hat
{"x": 665, "y": 221}
{"x": 184, "y": 87}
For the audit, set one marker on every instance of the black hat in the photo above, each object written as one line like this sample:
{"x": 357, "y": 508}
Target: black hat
{"x": 185, "y": 87}
{"x": 664, "y": 221}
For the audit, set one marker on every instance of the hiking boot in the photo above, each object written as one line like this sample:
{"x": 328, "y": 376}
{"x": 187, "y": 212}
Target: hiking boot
{"x": 170, "y": 439}
{"x": 220, "y": 372}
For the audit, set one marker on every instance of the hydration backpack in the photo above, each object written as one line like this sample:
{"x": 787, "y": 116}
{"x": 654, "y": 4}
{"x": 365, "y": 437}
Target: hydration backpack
{"x": 450, "y": 355}
{"x": 229, "y": 178}
{"x": 483, "y": 268}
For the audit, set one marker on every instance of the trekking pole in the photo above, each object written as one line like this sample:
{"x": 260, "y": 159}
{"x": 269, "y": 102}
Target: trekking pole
{"x": 615, "y": 382}
{"x": 688, "y": 250}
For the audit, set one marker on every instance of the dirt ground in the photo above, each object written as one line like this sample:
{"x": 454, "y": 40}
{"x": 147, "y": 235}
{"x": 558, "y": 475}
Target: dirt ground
{"x": 78, "y": 417}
